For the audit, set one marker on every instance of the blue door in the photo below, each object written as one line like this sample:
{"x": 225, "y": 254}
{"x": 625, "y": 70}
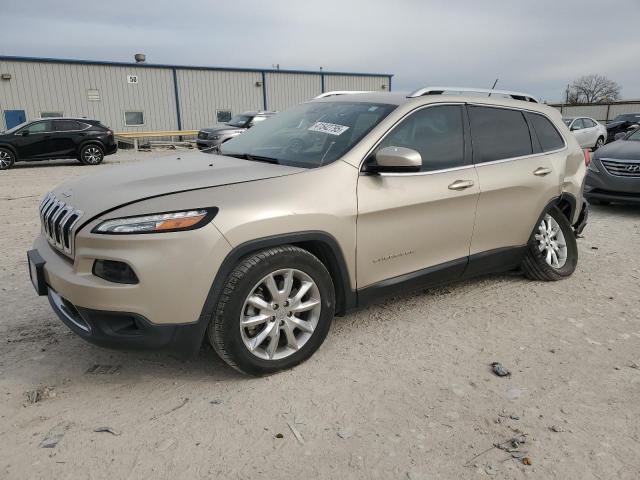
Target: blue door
{"x": 14, "y": 117}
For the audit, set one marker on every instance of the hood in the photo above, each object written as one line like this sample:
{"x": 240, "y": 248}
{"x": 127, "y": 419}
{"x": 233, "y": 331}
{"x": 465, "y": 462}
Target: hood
{"x": 621, "y": 123}
{"x": 620, "y": 149}
{"x": 221, "y": 128}
{"x": 120, "y": 185}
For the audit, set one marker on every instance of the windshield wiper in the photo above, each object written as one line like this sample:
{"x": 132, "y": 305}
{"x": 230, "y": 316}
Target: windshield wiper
{"x": 253, "y": 158}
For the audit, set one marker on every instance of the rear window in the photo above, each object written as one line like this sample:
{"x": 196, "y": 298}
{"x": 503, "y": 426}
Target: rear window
{"x": 498, "y": 134}
{"x": 547, "y": 134}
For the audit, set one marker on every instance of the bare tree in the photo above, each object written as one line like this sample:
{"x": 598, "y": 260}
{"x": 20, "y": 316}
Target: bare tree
{"x": 593, "y": 89}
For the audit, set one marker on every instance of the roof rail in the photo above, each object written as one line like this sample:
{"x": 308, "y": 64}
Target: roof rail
{"x": 340, "y": 92}
{"x": 525, "y": 97}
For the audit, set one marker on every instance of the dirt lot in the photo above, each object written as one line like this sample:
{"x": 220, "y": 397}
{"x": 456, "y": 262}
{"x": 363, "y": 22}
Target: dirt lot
{"x": 402, "y": 390}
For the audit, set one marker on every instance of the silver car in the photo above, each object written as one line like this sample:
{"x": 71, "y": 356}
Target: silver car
{"x": 588, "y": 132}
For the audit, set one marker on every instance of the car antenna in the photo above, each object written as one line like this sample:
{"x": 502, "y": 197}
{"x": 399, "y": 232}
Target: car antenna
{"x": 494, "y": 86}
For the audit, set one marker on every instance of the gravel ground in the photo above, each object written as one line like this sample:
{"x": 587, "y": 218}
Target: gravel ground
{"x": 402, "y": 390}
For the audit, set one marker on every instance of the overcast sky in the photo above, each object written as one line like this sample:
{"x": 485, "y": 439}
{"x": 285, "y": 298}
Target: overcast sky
{"x": 537, "y": 46}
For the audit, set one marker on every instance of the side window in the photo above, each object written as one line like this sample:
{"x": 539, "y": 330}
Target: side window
{"x": 66, "y": 125}
{"x": 588, "y": 123}
{"x": 498, "y": 133}
{"x": 578, "y": 124}
{"x": 547, "y": 134}
{"x": 436, "y": 133}
{"x": 39, "y": 127}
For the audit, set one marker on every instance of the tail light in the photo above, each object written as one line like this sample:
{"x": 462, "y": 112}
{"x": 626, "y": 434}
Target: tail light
{"x": 587, "y": 156}
{"x": 110, "y": 132}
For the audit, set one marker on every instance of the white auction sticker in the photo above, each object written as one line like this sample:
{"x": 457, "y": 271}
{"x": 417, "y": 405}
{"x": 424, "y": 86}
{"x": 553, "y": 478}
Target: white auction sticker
{"x": 330, "y": 128}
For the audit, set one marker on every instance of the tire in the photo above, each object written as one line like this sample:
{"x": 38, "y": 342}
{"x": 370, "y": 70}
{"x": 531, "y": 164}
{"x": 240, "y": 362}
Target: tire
{"x": 91, "y": 154}
{"x": 536, "y": 264}
{"x": 249, "y": 348}
{"x": 7, "y": 159}
{"x": 599, "y": 143}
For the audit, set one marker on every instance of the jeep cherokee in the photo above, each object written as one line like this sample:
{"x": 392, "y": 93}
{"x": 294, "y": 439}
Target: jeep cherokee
{"x": 259, "y": 247}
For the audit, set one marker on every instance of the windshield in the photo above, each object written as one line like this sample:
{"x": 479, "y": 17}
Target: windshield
{"x": 627, "y": 118}
{"x": 16, "y": 128}
{"x": 239, "y": 121}
{"x": 635, "y": 136}
{"x": 567, "y": 121}
{"x": 309, "y": 135}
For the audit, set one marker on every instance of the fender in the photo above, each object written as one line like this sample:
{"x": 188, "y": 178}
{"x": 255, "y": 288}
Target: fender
{"x": 88, "y": 142}
{"x": 346, "y": 298}
{"x": 10, "y": 147}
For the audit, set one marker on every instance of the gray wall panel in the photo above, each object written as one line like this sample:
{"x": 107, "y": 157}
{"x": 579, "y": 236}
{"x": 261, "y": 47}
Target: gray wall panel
{"x": 287, "y": 89}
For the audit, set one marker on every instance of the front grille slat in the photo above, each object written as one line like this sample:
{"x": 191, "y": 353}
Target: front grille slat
{"x": 58, "y": 222}
{"x": 622, "y": 168}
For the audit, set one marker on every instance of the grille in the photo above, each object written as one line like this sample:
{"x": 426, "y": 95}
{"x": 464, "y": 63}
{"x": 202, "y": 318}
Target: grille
{"x": 58, "y": 221}
{"x": 622, "y": 168}
{"x": 203, "y": 135}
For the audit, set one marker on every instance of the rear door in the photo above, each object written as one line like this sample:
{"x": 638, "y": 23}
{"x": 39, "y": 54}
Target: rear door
{"x": 67, "y": 135}
{"x": 517, "y": 179}
{"x": 414, "y": 224}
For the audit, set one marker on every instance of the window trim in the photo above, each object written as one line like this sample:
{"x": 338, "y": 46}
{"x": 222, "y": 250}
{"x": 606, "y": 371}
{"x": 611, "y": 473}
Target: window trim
{"x": 533, "y": 155}
{"x": 466, "y": 142}
{"x": 137, "y": 124}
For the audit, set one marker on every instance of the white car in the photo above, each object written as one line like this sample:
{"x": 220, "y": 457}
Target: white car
{"x": 588, "y": 132}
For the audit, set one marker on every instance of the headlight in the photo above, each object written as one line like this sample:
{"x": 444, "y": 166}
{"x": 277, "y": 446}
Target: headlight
{"x": 158, "y": 222}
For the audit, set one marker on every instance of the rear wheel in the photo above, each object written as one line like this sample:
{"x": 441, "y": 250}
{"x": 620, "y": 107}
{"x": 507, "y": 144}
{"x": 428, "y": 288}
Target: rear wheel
{"x": 7, "y": 159}
{"x": 274, "y": 312}
{"x": 552, "y": 252}
{"x": 91, "y": 154}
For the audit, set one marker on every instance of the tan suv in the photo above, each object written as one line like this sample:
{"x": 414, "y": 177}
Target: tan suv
{"x": 324, "y": 208}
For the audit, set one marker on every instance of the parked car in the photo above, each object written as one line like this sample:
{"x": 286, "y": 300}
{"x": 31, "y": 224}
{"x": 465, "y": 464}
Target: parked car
{"x": 622, "y": 124}
{"x": 215, "y": 136}
{"x": 614, "y": 172}
{"x": 588, "y": 132}
{"x": 258, "y": 248}
{"x": 50, "y": 138}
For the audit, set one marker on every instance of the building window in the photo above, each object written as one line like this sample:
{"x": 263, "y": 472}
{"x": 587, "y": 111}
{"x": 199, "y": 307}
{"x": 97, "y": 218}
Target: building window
{"x": 93, "y": 95}
{"x": 132, "y": 119}
{"x": 51, "y": 114}
{"x": 223, "y": 115}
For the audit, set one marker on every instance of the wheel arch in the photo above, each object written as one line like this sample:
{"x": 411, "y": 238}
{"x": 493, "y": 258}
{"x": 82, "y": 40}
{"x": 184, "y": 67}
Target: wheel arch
{"x": 321, "y": 244}
{"x": 91, "y": 141}
{"x": 10, "y": 147}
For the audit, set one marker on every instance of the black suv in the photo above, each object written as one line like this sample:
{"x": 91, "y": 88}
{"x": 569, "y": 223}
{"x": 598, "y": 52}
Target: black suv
{"x": 43, "y": 139}
{"x": 622, "y": 124}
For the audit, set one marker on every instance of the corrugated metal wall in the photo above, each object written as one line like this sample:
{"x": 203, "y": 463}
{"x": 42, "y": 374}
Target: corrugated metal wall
{"x": 602, "y": 113}
{"x": 203, "y": 92}
{"x": 352, "y": 82}
{"x": 287, "y": 89}
{"x": 58, "y": 87}
{"x": 52, "y": 85}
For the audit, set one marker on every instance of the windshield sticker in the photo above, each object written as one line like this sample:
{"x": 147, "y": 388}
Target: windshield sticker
{"x": 330, "y": 128}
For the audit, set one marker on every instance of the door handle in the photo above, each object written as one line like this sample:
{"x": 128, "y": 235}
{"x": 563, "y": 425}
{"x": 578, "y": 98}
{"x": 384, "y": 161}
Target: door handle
{"x": 461, "y": 184}
{"x": 542, "y": 171}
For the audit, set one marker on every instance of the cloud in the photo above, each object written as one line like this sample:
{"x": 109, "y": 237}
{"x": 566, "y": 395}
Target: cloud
{"x": 537, "y": 47}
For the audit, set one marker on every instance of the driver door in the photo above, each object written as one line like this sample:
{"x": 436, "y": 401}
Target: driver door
{"x": 417, "y": 226}
{"x": 34, "y": 140}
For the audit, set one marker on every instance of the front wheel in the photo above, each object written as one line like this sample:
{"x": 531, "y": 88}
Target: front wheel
{"x": 91, "y": 154}
{"x": 274, "y": 312}
{"x": 599, "y": 143}
{"x": 552, "y": 251}
{"x": 7, "y": 159}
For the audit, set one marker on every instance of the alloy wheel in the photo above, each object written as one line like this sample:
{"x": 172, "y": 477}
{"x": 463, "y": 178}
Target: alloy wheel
{"x": 280, "y": 314}
{"x": 599, "y": 143}
{"x": 5, "y": 159}
{"x": 551, "y": 242}
{"x": 92, "y": 155}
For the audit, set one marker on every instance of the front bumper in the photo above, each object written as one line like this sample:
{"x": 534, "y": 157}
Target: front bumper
{"x": 163, "y": 310}
{"x": 206, "y": 143}
{"x": 603, "y": 186}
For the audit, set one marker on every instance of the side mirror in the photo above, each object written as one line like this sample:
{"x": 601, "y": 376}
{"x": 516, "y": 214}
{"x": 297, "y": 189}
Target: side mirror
{"x": 395, "y": 159}
{"x": 620, "y": 135}
{"x": 24, "y": 133}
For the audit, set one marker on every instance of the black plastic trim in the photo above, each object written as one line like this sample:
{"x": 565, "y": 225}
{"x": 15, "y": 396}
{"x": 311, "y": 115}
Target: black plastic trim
{"x": 495, "y": 261}
{"x": 424, "y": 278}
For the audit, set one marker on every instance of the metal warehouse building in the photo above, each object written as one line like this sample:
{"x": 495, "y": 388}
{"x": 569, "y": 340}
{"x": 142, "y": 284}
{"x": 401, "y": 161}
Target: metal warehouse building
{"x": 130, "y": 97}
